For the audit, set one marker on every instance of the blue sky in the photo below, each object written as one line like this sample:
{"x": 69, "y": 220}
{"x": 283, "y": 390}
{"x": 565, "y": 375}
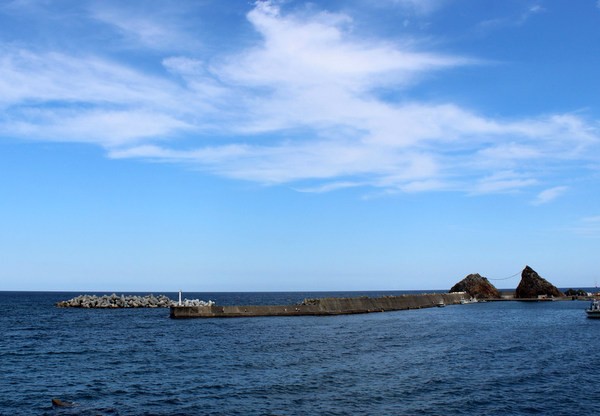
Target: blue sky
{"x": 284, "y": 145}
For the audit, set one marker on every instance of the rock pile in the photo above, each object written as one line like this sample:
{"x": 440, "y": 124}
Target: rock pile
{"x": 477, "y": 286}
{"x": 195, "y": 302}
{"x": 533, "y": 285}
{"x": 114, "y": 301}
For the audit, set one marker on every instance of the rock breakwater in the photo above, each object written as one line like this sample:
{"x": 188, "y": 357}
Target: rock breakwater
{"x": 324, "y": 306}
{"x": 130, "y": 301}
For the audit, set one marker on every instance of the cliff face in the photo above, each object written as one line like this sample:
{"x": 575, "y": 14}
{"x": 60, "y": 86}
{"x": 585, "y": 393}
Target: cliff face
{"x": 477, "y": 286}
{"x": 533, "y": 285}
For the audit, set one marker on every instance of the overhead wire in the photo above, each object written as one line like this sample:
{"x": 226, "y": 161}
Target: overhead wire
{"x": 505, "y": 278}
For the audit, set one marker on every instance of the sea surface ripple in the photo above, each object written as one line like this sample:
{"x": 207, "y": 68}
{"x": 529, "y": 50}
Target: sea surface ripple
{"x": 485, "y": 359}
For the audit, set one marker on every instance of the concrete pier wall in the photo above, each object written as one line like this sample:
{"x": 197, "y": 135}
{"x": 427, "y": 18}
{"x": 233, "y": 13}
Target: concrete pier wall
{"x": 324, "y": 306}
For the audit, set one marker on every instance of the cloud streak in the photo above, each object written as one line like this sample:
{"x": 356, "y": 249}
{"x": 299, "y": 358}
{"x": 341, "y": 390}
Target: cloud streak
{"x": 549, "y": 195}
{"x": 512, "y": 21}
{"x": 298, "y": 106}
{"x": 148, "y": 27}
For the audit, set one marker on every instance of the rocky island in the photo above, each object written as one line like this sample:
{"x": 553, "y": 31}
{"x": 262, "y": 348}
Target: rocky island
{"x": 532, "y": 285}
{"x": 477, "y": 286}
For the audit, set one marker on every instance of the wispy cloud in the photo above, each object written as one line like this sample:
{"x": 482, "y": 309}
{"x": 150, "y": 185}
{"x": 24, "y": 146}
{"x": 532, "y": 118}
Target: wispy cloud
{"x": 517, "y": 20}
{"x": 297, "y": 106}
{"x": 503, "y": 181}
{"x": 152, "y": 29}
{"x": 53, "y": 96}
{"x": 549, "y": 195}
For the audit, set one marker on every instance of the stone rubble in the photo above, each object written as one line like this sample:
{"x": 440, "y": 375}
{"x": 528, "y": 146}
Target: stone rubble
{"x": 130, "y": 301}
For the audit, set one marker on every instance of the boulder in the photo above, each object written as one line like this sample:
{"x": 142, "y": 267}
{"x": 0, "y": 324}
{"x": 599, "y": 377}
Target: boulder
{"x": 477, "y": 286}
{"x": 532, "y": 285}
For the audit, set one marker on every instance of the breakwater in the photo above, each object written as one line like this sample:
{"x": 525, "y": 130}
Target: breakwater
{"x": 324, "y": 306}
{"x": 122, "y": 301}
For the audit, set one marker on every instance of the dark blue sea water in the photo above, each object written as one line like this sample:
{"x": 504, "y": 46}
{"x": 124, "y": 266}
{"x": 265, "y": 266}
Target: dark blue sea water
{"x": 478, "y": 359}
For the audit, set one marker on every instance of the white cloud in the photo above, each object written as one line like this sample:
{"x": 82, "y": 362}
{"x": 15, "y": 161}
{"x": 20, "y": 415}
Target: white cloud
{"x": 299, "y": 161}
{"x": 53, "y": 96}
{"x": 296, "y": 107}
{"x": 42, "y": 78}
{"x": 509, "y": 152}
{"x": 105, "y": 127}
{"x": 549, "y": 195}
{"x": 303, "y": 54}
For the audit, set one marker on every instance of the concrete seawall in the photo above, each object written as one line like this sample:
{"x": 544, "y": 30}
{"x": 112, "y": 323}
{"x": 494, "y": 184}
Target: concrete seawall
{"x": 325, "y": 306}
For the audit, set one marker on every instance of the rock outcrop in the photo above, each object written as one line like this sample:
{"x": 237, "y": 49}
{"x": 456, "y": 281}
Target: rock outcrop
{"x": 532, "y": 285}
{"x": 477, "y": 286}
{"x": 114, "y": 301}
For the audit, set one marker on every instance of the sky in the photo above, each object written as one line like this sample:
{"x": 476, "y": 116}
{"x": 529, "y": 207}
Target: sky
{"x": 234, "y": 145}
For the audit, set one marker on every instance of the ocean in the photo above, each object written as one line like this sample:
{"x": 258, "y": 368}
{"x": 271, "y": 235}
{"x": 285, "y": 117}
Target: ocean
{"x": 479, "y": 359}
